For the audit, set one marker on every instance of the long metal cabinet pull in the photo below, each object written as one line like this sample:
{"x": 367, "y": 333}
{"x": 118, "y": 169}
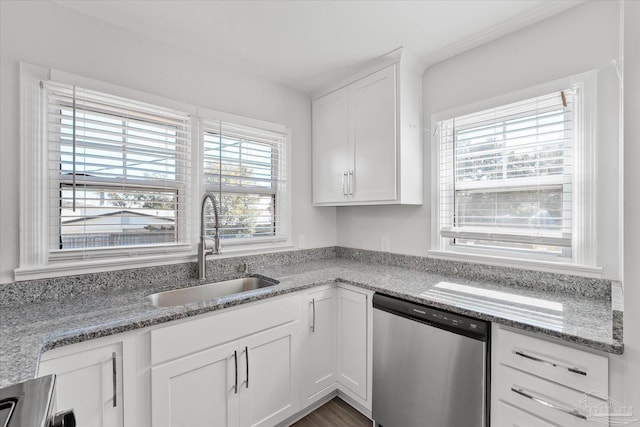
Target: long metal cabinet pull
{"x": 313, "y": 325}
{"x": 344, "y": 178}
{"x": 350, "y": 180}
{"x": 235, "y": 360}
{"x": 573, "y": 412}
{"x": 547, "y": 362}
{"x": 114, "y": 371}
{"x": 246, "y": 351}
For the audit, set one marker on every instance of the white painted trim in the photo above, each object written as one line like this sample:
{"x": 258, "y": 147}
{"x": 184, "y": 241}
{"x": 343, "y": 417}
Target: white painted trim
{"x": 527, "y": 264}
{"x": 214, "y": 115}
{"x": 122, "y": 91}
{"x": 33, "y": 171}
{"x": 59, "y": 269}
{"x": 514, "y": 24}
{"x": 584, "y": 233}
{"x": 401, "y": 56}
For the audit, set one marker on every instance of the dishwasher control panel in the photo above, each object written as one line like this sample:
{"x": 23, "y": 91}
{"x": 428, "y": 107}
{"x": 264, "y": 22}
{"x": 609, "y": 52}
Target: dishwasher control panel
{"x": 458, "y": 323}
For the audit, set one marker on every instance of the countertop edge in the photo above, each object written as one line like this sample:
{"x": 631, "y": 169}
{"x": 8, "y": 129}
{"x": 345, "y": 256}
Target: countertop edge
{"x": 75, "y": 336}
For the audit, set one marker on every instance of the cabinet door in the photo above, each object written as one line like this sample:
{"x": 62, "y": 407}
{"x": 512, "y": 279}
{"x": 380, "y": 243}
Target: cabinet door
{"x": 352, "y": 341}
{"x": 320, "y": 347}
{"x": 331, "y": 151}
{"x": 269, "y": 376}
{"x": 90, "y": 383}
{"x": 197, "y": 390}
{"x": 373, "y": 104}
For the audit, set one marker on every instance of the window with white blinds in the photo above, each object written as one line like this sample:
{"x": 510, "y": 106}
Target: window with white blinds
{"x": 506, "y": 176}
{"x": 118, "y": 170}
{"x": 245, "y": 167}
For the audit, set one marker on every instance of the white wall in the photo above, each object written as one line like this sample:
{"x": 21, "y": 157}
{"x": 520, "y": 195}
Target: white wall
{"x": 580, "y": 39}
{"x": 46, "y": 34}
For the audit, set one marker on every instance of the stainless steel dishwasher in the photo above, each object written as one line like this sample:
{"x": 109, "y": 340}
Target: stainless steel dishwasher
{"x": 429, "y": 366}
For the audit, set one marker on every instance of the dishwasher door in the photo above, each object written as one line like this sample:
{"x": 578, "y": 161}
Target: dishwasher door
{"x": 424, "y": 376}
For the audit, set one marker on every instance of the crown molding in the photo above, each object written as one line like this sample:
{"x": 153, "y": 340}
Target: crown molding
{"x": 497, "y": 31}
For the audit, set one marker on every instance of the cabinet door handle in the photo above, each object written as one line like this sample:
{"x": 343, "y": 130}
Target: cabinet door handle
{"x": 246, "y": 352}
{"x": 573, "y": 412}
{"x": 235, "y": 360}
{"x": 350, "y": 183}
{"x": 344, "y": 179}
{"x": 114, "y": 373}
{"x": 313, "y": 324}
{"x": 548, "y": 362}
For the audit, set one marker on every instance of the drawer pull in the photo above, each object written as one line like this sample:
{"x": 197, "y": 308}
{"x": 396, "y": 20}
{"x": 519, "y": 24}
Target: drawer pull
{"x": 547, "y": 362}
{"x": 573, "y": 412}
{"x": 114, "y": 376}
{"x": 235, "y": 360}
{"x": 313, "y": 325}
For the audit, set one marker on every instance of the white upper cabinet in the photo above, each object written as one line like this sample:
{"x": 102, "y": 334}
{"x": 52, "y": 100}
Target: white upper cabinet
{"x": 367, "y": 146}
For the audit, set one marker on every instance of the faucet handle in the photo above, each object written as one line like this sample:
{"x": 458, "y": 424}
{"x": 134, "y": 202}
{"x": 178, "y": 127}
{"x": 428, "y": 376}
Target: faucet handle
{"x": 245, "y": 267}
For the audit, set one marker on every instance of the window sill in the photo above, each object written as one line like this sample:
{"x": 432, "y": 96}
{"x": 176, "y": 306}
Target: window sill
{"x": 537, "y": 265}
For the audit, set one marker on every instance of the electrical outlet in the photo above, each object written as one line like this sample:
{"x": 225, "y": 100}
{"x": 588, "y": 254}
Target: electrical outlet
{"x": 385, "y": 245}
{"x": 302, "y": 243}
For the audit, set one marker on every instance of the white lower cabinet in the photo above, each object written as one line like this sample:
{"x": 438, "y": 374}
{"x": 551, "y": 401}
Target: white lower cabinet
{"x": 248, "y": 382}
{"x": 337, "y": 344}
{"x": 354, "y": 364}
{"x": 537, "y": 382}
{"x": 88, "y": 381}
{"x": 320, "y": 340}
{"x": 196, "y": 390}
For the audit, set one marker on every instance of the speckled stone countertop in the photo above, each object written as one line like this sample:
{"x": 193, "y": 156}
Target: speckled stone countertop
{"x": 29, "y": 329}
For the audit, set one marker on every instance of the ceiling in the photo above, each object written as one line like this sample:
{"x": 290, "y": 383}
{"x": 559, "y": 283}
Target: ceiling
{"x": 307, "y": 44}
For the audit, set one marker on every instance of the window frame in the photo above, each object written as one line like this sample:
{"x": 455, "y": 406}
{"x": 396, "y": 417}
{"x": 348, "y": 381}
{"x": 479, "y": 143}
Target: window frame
{"x": 583, "y": 236}
{"x": 283, "y": 203}
{"x": 36, "y": 260}
{"x": 180, "y": 188}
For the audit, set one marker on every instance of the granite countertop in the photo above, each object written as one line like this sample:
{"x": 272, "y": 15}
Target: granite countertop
{"x": 27, "y": 330}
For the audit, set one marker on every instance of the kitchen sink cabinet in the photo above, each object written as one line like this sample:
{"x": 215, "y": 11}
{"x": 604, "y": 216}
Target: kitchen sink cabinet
{"x": 248, "y": 382}
{"x": 366, "y": 138}
{"x": 269, "y": 389}
{"x": 89, "y": 381}
{"x": 196, "y": 390}
{"x": 320, "y": 342}
{"x": 237, "y": 367}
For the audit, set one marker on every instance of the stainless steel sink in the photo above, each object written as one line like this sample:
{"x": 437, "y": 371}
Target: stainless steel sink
{"x": 209, "y": 291}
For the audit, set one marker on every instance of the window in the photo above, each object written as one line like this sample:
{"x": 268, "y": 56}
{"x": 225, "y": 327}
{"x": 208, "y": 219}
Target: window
{"x": 515, "y": 180}
{"x": 245, "y": 167}
{"x": 118, "y": 171}
{"x": 112, "y": 177}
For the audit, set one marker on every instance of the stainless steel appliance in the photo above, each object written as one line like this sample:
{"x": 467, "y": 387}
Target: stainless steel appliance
{"x": 32, "y": 404}
{"x": 429, "y": 366}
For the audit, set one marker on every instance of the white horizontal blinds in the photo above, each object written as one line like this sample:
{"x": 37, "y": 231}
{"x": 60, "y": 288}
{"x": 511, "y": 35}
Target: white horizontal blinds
{"x": 506, "y": 175}
{"x": 118, "y": 170}
{"x": 246, "y": 167}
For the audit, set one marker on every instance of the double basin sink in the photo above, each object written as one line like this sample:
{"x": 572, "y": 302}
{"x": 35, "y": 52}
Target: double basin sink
{"x": 210, "y": 291}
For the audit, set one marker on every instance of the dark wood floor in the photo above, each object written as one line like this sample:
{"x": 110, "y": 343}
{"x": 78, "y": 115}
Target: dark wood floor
{"x": 334, "y": 413}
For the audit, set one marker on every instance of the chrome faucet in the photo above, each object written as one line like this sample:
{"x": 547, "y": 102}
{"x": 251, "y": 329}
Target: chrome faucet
{"x": 203, "y": 250}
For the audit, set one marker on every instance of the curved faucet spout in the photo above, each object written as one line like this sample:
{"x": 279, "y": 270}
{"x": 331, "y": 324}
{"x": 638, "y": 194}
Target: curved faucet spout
{"x": 203, "y": 250}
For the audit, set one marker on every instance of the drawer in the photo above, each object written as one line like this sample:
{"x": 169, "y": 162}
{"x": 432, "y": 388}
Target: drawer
{"x": 504, "y": 414}
{"x": 518, "y": 396}
{"x": 190, "y": 336}
{"x": 568, "y": 366}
